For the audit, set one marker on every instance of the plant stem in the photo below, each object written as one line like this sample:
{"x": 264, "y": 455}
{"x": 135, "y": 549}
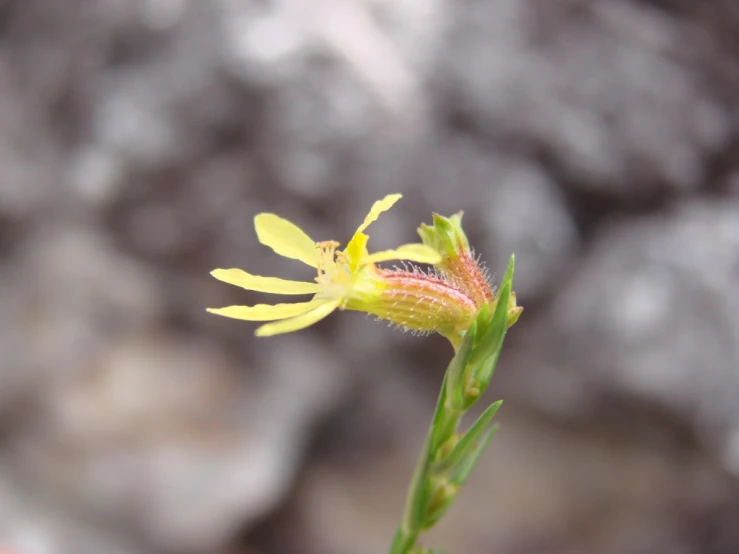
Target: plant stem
{"x": 444, "y": 426}
{"x": 449, "y": 456}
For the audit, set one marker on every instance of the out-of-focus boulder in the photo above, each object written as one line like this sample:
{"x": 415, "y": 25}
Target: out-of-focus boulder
{"x": 613, "y": 93}
{"x": 651, "y": 313}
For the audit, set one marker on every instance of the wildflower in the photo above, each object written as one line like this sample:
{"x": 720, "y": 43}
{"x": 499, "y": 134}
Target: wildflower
{"x": 349, "y": 279}
{"x": 459, "y": 265}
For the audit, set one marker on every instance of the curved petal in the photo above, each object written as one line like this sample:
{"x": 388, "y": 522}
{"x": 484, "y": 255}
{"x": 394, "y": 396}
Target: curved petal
{"x": 275, "y": 285}
{"x": 267, "y": 312}
{"x": 377, "y": 208}
{"x": 298, "y": 322}
{"x": 413, "y": 252}
{"x": 285, "y": 238}
{"x": 356, "y": 250}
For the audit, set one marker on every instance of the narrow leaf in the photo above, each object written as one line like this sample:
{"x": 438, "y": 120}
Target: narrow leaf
{"x": 418, "y": 492}
{"x": 465, "y": 469}
{"x": 493, "y": 338}
{"x": 467, "y": 444}
{"x": 447, "y": 493}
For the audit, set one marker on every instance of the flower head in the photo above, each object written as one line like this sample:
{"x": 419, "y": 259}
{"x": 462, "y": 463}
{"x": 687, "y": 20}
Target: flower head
{"x": 349, "y": 279}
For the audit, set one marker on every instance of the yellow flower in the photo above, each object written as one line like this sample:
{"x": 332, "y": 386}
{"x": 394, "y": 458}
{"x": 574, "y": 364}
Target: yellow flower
{"x": 347, "y": 279}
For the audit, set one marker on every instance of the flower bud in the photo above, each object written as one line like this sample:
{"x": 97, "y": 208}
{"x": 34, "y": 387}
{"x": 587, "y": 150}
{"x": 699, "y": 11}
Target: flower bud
{"x": 445, "y": 235}
{"x": 458, "y": 264}
{"x": 514, "y": 311}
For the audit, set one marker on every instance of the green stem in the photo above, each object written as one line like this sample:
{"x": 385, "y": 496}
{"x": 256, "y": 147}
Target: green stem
{"x": 447, "y": 429}
{"x": 448, "y": 457}
{"x": 404, "y": 541}
{"x": 444, "y": 426}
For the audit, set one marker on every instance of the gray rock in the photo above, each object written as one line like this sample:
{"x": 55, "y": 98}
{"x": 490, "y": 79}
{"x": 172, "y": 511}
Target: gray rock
{"x": 161, "y": 434}
{"x": 651, "y": 314}
{"x": 526, "y": 214}
{"x": 32, "y": 522}
{"x": 344, "y": 80}
{"x": 609, "y": 89}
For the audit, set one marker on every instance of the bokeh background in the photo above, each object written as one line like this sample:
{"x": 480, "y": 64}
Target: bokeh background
{"x": 596, "y": 139}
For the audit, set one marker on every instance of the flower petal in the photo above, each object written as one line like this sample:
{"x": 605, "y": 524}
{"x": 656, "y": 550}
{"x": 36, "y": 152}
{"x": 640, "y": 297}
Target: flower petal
{"x": 267, "y": 312}
{"x": 275, "y": 285}
{"x": 296, "y": 323}
{"x": 285, "y": 238}
{"x": 413, "y": 252}
{"x": 377, "y": 208}
{"x": 356, "y": 250}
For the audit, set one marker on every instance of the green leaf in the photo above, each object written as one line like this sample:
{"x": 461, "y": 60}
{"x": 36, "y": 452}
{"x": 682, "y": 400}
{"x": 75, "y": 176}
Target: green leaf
{"x": 465, "y": 469}
{"x": 468, "y": 443}
{"x": 444, "y": 495}
{"x": 508, "y": 275}
{"x": 484, "y": 356}
{"x": 419, "y": 490}
{"x": 459, "y": 477}
{"x": 492, "y": 340}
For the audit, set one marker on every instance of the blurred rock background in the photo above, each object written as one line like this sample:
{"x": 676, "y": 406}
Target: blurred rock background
{"x": 598, "y": 140}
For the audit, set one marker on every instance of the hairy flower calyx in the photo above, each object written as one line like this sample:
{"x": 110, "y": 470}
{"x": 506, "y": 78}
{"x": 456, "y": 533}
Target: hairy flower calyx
{"x": 420, "y": 302}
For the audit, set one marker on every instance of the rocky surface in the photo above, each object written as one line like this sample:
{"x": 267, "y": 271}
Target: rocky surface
{"x": 596, "y": 140}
